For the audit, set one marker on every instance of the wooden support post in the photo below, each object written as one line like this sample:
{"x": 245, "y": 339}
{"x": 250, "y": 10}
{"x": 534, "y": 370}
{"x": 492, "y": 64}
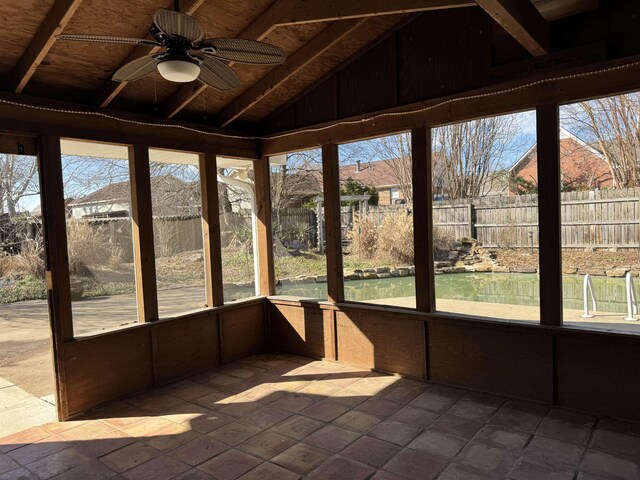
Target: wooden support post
{"x": 262, "y": 172}
{"x": 549, "y": 221}
{"x": 422, "y": 180}
{"x": 56, "y": 260}
{"x": 142, "y": 227}
{"x": 333, "y": 229}
{"x": 211, "y": 230}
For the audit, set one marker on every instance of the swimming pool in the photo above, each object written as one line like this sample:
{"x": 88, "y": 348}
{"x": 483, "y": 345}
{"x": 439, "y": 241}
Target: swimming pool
{"x": 505, "y": 288}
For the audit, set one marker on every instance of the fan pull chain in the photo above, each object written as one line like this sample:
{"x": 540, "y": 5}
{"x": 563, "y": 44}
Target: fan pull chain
{"x": 204, "y": 105}
{"x": 155, "y": 92}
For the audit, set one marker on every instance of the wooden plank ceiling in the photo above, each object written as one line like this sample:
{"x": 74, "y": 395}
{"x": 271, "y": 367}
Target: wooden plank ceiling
{"x": 318, "y": 37}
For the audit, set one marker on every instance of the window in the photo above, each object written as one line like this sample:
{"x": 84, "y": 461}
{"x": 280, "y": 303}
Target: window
{"x": 377, "y": 231}
{"x": 238, "y": 228}
{"x": 599, "y": 141}
{"x": 177, "y": 231}
{"x": 97, "y": 193}
{"x": 485, "y": 217}
{"x": 298, "y": 224}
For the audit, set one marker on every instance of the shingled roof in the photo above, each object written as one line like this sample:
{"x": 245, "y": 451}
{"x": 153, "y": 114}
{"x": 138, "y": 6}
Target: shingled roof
{"x": 166, "y": 189}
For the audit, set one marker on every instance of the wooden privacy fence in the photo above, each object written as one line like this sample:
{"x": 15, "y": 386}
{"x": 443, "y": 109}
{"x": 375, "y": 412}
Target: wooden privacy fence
{"x": 599, "y": 219}
{"x": 172, "y": 234}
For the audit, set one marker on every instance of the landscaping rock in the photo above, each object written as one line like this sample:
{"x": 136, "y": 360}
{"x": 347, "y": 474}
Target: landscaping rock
{"x": 523, "y": 270}
{"x": 307, "y": 279}
{"x": 596, "y": 272}
{"x": 441, "y": 264}
{"x": 499, "y": 269}
{"x": 483, "y": 267}
{"x": 384, "y": 275}
{"x": 617, "y": 272}
{"x": 458, "y": 270}
{"x": 369, "y": 270}
{"x": 403, "y": 272}
{"x": 569, "y": 270}
{"x": 370, "y": 275}
{"x": 394, "y": 273}
{"x": 321, "y": 279}
{"x": 351, "y": 275}
{"x": 382, "y": 269}
{"x": 469, "y": 268}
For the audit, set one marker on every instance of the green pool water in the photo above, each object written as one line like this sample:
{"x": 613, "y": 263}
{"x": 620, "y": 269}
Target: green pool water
{"x": 506, "y": 288}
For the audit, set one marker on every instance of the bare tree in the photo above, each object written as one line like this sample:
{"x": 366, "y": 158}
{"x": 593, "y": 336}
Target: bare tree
{"x": 472, "y": 153}
{"x": 18, "y": 180}
{"x": 300, "y": 177}
{"x": 614, "y": 123}
{"x": 395, "y": 150}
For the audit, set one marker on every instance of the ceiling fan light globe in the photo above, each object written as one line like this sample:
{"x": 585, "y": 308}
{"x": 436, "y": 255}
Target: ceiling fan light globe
{"x": 180, "y": 71}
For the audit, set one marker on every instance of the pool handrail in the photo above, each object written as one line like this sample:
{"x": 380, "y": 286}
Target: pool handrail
{"x": 632, "y": 299}
{"x": 588, "y": 291}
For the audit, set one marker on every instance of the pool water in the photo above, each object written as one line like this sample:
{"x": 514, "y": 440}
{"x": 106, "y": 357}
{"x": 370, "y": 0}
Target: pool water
{"x": 506, "y": 288}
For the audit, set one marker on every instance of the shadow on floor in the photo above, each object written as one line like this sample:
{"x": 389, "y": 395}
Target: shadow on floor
{"x": 284, "y": 417}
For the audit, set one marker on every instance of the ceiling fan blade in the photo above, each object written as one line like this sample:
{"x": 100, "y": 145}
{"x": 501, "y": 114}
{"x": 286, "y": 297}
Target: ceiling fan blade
{"x": 243, "y": 51}
{"x": 217, "y": 75}
{"x": 108, "y": 39}
{"x": 136, "y": 69}
{"x": 175, "y": 24}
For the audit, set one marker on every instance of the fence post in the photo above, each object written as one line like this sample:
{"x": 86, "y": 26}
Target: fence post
{"x": 471, "y": 212}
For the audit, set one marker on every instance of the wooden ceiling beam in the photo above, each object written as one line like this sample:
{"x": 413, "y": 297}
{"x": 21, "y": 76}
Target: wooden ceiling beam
{"x": 316, "y": 47}
{"x": 111, "y": 89}
{"x": 294, "y": 12}
{"x": 313, "y": 11}
{"x": 262, "y": 26}
{"x": 522, "y": 21}
{"x": 53, "y": 24}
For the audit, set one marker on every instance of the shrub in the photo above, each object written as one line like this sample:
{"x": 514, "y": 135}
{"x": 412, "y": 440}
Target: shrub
{"x": 28, "y": 288}
{"x": 30, "y": 260}
{"x": 165, "y": 233}
{"x": 395, "y": 240}
{"x": 364, "y": 236}
{"x": 87, "y": 248}
{"x": 442, "y": 241}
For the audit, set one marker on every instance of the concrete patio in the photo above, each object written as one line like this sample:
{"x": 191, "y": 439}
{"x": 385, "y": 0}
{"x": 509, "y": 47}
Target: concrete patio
{"x": 285, "y": 417}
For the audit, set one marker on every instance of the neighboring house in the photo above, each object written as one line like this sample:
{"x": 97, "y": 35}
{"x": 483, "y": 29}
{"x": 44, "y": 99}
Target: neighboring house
{"x": 583, "y": 167}
{"x": 170, "y": 196}
{"x": 380, "y": 174}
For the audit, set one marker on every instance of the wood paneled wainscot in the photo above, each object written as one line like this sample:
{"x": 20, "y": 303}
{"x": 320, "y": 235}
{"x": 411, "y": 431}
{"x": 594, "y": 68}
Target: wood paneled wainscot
{"x": 113, "y": 365}
{"x": 592, "y": 371}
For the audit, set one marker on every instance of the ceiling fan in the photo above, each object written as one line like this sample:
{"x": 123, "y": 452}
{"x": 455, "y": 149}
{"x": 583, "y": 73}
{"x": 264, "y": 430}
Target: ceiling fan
{"x": 188, "y": 55}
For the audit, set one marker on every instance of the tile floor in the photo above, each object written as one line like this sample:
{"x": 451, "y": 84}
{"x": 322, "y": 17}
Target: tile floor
{"x": 19, "y": 409}
{"x": 284, "y": 417}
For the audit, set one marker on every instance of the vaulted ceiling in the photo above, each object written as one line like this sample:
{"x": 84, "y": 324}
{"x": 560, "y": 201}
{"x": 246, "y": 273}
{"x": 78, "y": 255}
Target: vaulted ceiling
{"x": 318, "y": 37}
